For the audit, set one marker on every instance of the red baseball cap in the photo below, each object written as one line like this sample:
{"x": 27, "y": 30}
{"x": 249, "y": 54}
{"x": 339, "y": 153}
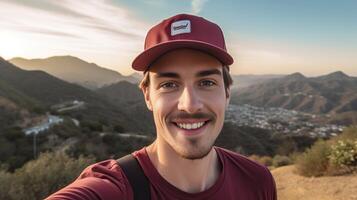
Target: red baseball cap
{"x": 182, "y": 31}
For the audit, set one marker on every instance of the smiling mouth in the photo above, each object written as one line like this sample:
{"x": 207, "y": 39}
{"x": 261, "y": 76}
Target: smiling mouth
{"x": 191, "y": 126}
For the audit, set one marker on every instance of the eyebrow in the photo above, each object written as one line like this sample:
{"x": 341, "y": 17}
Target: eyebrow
{"x": 208, "y": 73}
{"x": 167, "y": 75}
{"x": 199, "y": 74}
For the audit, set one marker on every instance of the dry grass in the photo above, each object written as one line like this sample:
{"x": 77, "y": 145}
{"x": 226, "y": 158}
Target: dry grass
{"x": 291, "y": 186}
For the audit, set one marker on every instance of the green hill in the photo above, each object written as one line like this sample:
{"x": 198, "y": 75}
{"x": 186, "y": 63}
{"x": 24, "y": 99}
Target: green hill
{"x": 40, "y": 88}
{"x": 129, "y": 97}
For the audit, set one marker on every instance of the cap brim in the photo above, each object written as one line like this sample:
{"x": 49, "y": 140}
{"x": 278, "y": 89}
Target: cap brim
{"x": 143, "y": 60}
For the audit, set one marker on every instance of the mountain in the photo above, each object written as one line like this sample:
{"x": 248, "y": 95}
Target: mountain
{"x": 15, "y": 106}
{"x": 73, "y": 70}
{"x": 129, "y": 97}
{"x": 122, "y": 92}
{"x": 37, "y": 88}
{"x": 338, "y": 75}
{"x": 245, "y": 80}
{"x": 328, "y": 94}
{"x": 15, "y": 96}
{"x": 294, "y": 77}
{"x": 137, "y": 76}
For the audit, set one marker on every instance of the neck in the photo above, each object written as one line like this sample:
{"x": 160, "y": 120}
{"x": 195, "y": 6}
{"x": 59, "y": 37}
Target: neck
{"x": 190, "y": 176}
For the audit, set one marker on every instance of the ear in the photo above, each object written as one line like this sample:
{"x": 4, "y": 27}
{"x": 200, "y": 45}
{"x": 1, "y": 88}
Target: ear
{"x": 146, "y": 92}
{"x": 228, "y": 96}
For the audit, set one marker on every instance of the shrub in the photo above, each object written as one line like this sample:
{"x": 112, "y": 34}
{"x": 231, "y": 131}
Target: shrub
{"x": 254, "y": 157}
{"x": 92, "y": 125}
{"x": 344, "y": 154}
{"x": 315, "y": 161}
{"x": 50, "y": 172}
{"x": 5, "y": 180}
{"x": 264, "y": 160}
{"x": 279, "y": 161}
{"x": 287, "y": 146}
{"x": 118, "y": 128}
{"x": 349, "y": 133}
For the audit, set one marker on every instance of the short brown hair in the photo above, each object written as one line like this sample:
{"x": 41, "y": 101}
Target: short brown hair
{"x": 227, "y": 79}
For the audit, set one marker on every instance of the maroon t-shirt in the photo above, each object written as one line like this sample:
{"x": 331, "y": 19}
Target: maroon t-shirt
{"x": 240, "y": 178}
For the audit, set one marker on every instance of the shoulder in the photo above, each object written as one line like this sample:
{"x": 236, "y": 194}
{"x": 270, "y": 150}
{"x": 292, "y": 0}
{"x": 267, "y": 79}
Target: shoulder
{"x": 234, "y": 162}
{"x": 238, "y": 159}
{"x": 102, "y": 180}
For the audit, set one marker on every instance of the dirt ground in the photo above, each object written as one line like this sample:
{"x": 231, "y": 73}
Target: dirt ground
{"x": 291, "y": 186}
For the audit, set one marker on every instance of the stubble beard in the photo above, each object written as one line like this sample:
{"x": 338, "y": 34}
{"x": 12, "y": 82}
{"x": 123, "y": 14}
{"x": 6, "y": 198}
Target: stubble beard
{"x": 194, "y": 151}
{"x": 194, "y": 148}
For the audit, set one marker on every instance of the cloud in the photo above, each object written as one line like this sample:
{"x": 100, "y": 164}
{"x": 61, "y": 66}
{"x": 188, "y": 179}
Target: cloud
{"x": 43, "y": 31}
{"x": 45, "y": 5}
{"x": 96, "y": 30}
{"x": 69, "y": 18}
{"x": 197, "y": 5}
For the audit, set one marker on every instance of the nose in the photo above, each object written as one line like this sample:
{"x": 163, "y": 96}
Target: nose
{"x": 190, "y": 101}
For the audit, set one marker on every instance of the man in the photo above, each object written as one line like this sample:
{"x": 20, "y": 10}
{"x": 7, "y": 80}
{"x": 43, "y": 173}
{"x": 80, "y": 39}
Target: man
{"x": 186, "y": 85}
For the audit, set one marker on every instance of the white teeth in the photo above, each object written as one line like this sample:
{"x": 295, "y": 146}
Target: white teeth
{"x": 190, "y": 126}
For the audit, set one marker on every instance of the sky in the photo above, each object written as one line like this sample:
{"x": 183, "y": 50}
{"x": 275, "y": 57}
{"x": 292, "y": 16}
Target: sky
{"x": 314, "y": 37}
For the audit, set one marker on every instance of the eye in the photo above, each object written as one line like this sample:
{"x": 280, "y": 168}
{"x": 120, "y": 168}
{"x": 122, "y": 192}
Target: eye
{"x": 168, "y": 85}
{"x": 207, "y": 83}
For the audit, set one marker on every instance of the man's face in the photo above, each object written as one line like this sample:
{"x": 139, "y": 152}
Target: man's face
{"x": 187, "y": 96}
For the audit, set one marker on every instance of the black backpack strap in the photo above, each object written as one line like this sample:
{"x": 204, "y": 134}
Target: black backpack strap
{"x": 135, "y": 174}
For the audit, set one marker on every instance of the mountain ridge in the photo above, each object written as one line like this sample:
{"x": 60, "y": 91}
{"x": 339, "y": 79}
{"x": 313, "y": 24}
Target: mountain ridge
{"x": 73, "y": 70}
{"x": 48, "y": 90}
{"x": 328, "y": 94}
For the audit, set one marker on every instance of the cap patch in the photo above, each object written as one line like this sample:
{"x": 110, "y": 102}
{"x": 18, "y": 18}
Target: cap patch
{"x": 179, "y": 27}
